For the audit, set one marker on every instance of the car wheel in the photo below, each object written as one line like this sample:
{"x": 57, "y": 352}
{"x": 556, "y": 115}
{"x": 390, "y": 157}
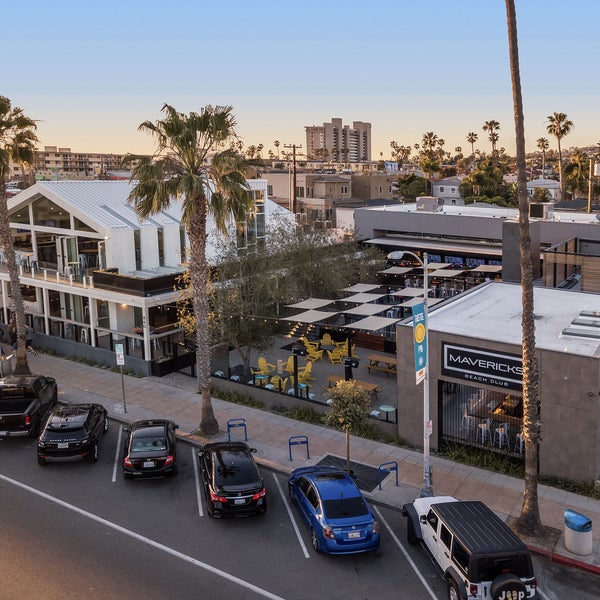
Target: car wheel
{"x": 507, "y": 586}
{"x": 42, "y": 461}
{"x": 411, "y": 536}
{"x": 314, "y": 540}
{"x": 453, "y": 593}
{"x": 93, "y": 455}
{"x": 105, "y": 429}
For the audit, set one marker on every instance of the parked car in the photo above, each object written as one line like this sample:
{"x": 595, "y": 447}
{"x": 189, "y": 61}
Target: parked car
{"x": 338, "y": 517}
{"x": 72, "y": 433}
{"x": 24, "y": 403}
{"x": 233, "y": 485}
{"x": 479, "y": 555}
{"x": 150, "y": 449}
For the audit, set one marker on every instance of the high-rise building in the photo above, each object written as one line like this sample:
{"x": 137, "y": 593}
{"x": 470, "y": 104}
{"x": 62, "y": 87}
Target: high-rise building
{"x": 338, "y": 142}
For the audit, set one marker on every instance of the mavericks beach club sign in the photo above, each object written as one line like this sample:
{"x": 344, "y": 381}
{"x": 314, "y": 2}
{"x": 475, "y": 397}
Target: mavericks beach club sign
{"x": 482, "y": 366}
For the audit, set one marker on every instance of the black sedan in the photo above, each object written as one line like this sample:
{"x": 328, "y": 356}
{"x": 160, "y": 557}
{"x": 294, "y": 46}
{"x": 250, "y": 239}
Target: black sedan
{"x": 150, "y": 449}
{"x": 233, "y": 485}
{"x": 71, "y": 432}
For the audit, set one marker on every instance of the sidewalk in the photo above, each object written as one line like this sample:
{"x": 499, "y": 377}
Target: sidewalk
{"x": 173, "y": 397}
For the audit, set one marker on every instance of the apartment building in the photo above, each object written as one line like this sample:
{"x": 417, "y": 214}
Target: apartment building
{"x": 338, "y": 142}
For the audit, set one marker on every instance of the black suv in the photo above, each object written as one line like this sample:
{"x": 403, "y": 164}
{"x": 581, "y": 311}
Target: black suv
{"x": 232, "y": 483}
{"x": 72, "y": 432}
{"x": 150, "y": 449}
{"x": 478, "y": 553}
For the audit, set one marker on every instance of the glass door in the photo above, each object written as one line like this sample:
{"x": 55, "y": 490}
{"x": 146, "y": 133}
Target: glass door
{"x": 66, "y": 250}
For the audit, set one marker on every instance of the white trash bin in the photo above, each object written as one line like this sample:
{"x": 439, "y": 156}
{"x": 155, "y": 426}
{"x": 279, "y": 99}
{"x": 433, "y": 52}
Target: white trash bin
{"x": 578, "y": 533}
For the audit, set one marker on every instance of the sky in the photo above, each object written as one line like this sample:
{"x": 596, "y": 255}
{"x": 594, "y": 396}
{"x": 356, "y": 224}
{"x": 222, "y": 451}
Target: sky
{"x": 91, "y": 72}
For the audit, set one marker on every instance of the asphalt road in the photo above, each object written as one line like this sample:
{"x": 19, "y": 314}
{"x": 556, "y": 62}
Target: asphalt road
{"x": 79, "y": 530}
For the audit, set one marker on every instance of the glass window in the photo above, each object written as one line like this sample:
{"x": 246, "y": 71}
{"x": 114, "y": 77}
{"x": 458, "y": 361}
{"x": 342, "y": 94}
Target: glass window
{"x": 80, "y": 225}
{"x": 432, "y": 519}
{"x": 48, "y": 214}
{"x": 345, "y": 508}
{"x": 20, "y": 216}
{"x": 445, "y": 536}
{"x": 312, "y": 497}
{"x": 460, "y": 556}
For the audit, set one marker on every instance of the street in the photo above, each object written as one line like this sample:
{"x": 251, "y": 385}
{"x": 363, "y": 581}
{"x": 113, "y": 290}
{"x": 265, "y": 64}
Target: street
{"x": 69, "y": 527}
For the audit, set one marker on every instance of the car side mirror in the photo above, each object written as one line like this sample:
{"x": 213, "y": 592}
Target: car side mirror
{"x": 253, "y": 450}
{"x": 127, "y": 430}
{"x": 423, "y": 519}
{"x": 176, "y": 426}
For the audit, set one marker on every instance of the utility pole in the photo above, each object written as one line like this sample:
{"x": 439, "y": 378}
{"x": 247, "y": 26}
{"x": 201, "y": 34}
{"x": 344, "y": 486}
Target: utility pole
{"x": 293, "y": 190}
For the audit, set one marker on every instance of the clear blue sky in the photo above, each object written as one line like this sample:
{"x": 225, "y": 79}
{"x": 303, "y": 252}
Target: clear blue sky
{"x": 90, "y": 72}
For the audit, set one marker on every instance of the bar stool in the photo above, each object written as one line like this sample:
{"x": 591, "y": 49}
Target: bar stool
{"x": 501, "y": 435}
{"x": 519, "y": 443}
{"x": 483, "y": 430}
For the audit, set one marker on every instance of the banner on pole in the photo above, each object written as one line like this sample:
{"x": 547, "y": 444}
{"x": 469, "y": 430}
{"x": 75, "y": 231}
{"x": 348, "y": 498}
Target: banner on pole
{"x": 420, "y": 340}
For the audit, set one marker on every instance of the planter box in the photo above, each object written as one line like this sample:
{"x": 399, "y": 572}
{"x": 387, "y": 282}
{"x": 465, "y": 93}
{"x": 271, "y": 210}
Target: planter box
{"x": 161, "y": 368}
{"x": 137, "y": 286}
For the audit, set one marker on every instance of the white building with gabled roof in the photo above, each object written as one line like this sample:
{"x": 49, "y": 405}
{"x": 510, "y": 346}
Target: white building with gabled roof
{"x": 93, "y": 274}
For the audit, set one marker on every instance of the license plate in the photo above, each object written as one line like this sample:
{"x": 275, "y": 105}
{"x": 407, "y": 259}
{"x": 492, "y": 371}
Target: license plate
{"x": 148, "y": 464}
{"x": 239, "y": 501}
{"x": 62, "y": 445}
{"x": 353, "y": 534}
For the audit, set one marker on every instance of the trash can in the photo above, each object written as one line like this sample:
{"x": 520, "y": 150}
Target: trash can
{"x": 578, "y": 533}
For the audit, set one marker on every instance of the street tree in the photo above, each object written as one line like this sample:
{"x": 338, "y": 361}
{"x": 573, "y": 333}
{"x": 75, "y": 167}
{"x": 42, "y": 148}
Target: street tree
{"x": 559, "y": 125}
{"x": 277, "y": 143}
{"x": 350, "y": 406}
{"x": 529, "y": 521}
{"x": 17, "y": 144}
{"x": 184, "y": 168}
{"x": 492, "y": 127}
{"x": 472, "y": 138}
{"x": 543, "y": 144}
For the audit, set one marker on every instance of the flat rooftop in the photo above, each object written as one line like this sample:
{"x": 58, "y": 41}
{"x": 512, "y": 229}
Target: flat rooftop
{"x": 492, "y": 311}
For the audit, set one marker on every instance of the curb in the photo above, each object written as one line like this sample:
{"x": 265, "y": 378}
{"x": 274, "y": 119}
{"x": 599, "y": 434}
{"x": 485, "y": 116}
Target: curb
{"x": 565, "y": 560}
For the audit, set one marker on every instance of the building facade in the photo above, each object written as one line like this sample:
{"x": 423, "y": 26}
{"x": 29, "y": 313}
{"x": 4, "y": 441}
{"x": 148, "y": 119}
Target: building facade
{"x": 340, "y": 143}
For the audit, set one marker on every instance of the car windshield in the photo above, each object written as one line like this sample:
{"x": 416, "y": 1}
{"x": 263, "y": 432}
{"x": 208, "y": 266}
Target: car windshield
{"x": 148, "y": 444}
{"x": 345, "y": 508}
{"x": 489, "y": 568}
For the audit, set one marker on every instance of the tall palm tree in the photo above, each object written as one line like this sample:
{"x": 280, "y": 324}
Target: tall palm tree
{"x": 276, "y": 144}
{"x": 472, "y": 138}
{"x": 529, "y": 520}
{"x": 559, "y": 126}
{"x": 543, "y": 144}
{"x": 17, "y": 143}
{"x": 184, "y": 168}
{"x": 492, "y": 127}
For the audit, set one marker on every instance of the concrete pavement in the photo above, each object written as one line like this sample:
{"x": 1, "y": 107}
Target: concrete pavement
{"x": 174, "y": 397}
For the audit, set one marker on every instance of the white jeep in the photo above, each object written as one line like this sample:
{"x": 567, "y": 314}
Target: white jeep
{"x": 480, "y": 556}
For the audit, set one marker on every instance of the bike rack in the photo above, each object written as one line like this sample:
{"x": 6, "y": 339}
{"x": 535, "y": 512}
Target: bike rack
{"x": 233, "y": 423}
{"x": 297, "y": 440}
{"x": 387, "y": 467}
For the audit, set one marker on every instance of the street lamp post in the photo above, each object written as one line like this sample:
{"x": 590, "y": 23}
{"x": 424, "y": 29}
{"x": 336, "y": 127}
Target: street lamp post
{"x": 427, "y": 489}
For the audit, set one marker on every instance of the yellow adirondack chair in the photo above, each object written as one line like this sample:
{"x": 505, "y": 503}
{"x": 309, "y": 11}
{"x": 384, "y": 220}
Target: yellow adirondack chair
{"x": 327, "y": 340}
{"x": 264, "y": 368}
{"x": 312, "y": 355}
{"x": 305, "y": 373}
{"x": 336, "y": 356}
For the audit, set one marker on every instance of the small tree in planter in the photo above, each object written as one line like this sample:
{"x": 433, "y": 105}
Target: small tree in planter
{"x": 349, "y": 409}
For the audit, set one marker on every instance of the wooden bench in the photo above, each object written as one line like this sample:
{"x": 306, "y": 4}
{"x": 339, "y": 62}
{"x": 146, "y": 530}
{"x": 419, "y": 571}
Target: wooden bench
{"x": 385, "y": 364}
{"x": 372, "y": 388}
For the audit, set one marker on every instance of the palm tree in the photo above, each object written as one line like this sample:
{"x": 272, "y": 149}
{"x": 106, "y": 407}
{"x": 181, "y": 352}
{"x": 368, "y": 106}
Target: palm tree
{"x": 182, "y": 168}
{"x": 559, "y": 126}
{"x": 17, "y": 143}
{"x": 529, "y": 520}
{"x": 276, "y": 144}
{"x": 543, "y": 144}
{"x": 472, "y": 138}
{"x": 492, "y": 127}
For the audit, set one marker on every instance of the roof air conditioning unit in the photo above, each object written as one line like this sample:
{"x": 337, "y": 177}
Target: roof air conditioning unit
{"x": 541, "y": 210}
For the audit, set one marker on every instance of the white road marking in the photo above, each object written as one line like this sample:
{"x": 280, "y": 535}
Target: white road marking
{"x": 405, "y": 552}
{"x": 145, "y": 540}
{"x": 116, "y": 463}
{"x": 289, "y": 511}
{"x": 197, "y": 478}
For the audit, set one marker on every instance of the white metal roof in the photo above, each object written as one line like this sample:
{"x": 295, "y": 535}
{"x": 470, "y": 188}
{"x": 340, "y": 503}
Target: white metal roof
{"x": 492, "y": 311}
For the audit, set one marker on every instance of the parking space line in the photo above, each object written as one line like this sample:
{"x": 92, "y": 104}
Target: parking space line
{"x": 197, "y": 478}
{"x": 405, "y": 552}
{"x": 145, "y": 540}
{"x": 289, "y": 511}
{"x": 116, "y": 464}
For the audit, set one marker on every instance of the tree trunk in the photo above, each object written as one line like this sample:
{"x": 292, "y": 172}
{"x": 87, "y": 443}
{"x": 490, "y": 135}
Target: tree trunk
{"x": 199, "y": 273}
{"x": 529, "y": 520}
{"x": 21, "y": 367}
